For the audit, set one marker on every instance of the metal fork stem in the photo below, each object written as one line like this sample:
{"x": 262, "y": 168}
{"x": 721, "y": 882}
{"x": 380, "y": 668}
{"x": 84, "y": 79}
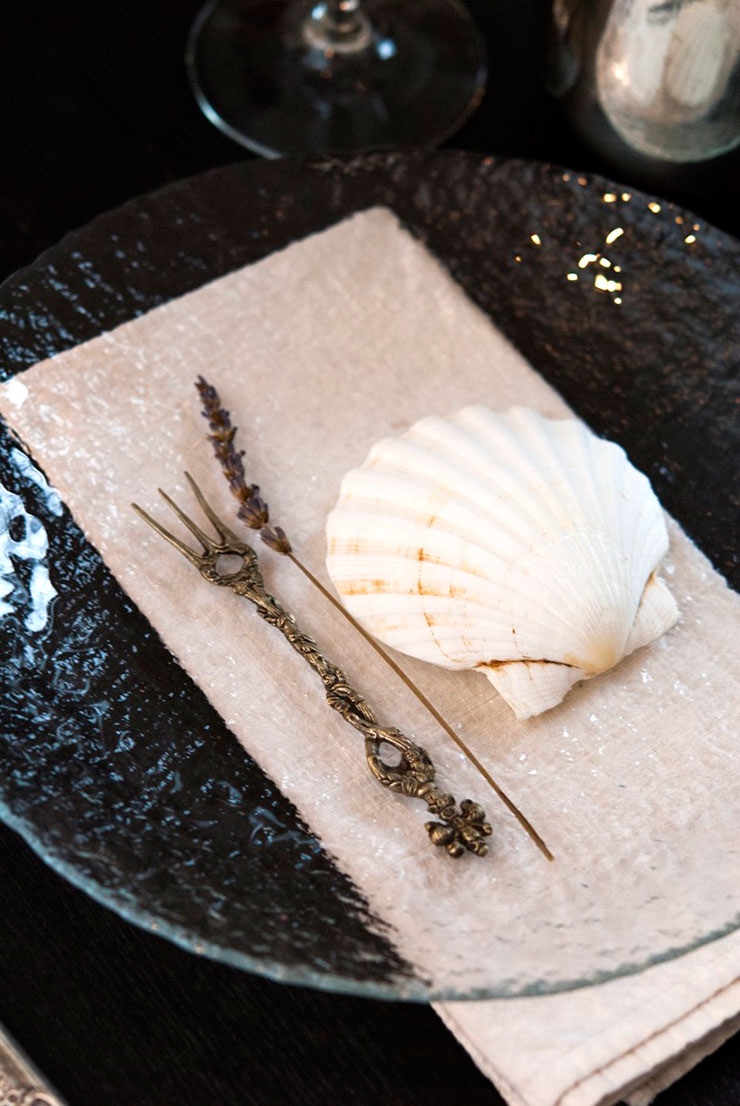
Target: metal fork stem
{"x": 457, "y": 830}
{"x": 19, "y": 1081}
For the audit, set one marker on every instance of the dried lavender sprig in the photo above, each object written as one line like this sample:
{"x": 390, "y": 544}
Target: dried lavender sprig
{"x": 254, "y": 511}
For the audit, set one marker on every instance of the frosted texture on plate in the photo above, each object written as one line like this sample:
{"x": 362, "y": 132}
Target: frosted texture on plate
{"x": 630, "y": 781}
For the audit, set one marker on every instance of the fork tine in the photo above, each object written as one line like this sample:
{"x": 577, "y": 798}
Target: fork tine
{"x": 227, "y": 536}
{"x": 207, "y": 543}
{"x": 192, "y": 556}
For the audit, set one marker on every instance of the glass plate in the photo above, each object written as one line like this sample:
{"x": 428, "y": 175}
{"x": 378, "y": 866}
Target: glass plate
{"x": 114, "y": 766}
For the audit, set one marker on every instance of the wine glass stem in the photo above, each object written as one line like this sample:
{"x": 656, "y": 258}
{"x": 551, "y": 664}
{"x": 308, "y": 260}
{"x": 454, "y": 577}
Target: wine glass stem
{"x": 338, "y": 25}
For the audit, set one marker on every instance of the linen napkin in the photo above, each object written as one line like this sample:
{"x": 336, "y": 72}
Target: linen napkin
{"x": 319, "y": 351}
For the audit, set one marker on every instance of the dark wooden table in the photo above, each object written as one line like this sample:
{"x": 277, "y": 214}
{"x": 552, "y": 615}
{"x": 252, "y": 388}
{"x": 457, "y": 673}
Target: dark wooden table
{"x": 96, "y": 109}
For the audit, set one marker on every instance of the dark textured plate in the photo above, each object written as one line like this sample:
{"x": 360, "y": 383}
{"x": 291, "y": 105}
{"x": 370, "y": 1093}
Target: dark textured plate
{"x": 182, "y": 832}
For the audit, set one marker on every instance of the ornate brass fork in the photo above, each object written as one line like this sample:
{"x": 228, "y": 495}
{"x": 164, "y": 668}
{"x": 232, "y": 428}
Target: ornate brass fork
{"x": 457, "y": 830}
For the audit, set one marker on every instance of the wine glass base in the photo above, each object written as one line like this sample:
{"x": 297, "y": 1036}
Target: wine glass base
{"x": 261, "y": 78}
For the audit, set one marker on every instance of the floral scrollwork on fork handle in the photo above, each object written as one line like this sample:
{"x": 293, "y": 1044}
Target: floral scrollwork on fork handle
{"x": 457, "y": 830}
{"x": 20, "y": 1084}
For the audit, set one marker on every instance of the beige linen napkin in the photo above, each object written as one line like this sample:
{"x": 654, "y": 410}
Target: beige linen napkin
{"x": 627, "y": 1039}
{"x": 320, "y": 350}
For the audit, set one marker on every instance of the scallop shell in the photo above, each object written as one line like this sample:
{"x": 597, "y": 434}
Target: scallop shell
{"x": 520, "y": 546}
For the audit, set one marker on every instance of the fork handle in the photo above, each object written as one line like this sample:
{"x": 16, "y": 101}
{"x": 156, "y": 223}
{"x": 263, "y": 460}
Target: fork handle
{"x": 458, "y": 829}
{"x": 19, "y": 1081}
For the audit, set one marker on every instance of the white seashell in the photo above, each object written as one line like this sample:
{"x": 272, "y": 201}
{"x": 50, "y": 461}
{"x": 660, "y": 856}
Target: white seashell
{"x": 520, "y": 546}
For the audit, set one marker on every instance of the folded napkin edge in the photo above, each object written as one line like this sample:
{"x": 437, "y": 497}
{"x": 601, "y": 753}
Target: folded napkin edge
{"x": 705, "y": 1029}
